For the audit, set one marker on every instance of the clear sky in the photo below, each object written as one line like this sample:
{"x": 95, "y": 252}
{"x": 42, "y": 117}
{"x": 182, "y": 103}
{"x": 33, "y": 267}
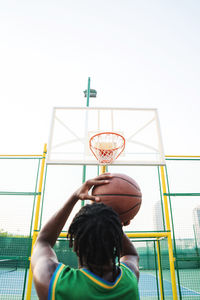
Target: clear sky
{"x": 137, "y": 53}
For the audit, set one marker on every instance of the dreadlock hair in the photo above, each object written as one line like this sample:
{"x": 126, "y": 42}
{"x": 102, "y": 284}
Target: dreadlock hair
{"x": 96, "y": 235}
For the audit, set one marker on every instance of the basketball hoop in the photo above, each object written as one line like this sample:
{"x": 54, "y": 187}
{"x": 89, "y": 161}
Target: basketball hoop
{"x": 107, "y": 146}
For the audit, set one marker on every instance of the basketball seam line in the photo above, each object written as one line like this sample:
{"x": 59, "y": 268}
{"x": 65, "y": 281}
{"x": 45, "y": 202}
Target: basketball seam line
{"x": 128, "y": 182}
{"x": 119, "y": 195}
{"x": 130, "y": 209}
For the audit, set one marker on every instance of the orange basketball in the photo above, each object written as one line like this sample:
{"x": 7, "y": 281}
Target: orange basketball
{"x": 123, "y": 194}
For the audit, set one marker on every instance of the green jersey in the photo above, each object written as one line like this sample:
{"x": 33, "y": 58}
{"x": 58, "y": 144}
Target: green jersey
{"x": 82, "y": 284}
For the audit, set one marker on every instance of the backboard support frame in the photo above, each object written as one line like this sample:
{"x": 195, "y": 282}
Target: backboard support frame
{"x": 85, "y": 117}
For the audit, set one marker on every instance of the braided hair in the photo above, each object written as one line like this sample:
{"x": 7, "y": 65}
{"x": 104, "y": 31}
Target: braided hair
{"x": 96, "y": 236}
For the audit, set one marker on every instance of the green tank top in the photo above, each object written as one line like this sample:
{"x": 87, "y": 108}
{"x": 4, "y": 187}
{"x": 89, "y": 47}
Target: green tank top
{"x": 81, "y": 284}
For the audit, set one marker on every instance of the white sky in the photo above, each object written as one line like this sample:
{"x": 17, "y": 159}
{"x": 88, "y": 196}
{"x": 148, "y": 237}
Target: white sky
{"x": 137, "y": 53}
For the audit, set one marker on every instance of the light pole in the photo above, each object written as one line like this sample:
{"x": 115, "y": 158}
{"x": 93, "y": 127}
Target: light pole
{"x": 89, "y": 93}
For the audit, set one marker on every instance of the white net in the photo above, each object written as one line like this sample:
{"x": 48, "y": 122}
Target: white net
{"x": 107, "y": 146}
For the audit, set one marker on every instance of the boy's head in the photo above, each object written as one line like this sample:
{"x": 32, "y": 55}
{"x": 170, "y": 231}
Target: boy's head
{"x": 96, "y": 235}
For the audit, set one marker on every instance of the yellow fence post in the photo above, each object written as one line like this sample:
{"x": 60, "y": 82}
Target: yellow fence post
{"x": 159, "y": 269}
{"x": 169, "y": 239}
{"x": 102, "y": 169}
{"x": 36, "y": 221}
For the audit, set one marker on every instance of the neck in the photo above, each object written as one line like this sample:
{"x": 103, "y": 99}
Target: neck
{"x": 98, "y": 268}
{"x": 104, "y": 268}
{"x": 104, "y": 271}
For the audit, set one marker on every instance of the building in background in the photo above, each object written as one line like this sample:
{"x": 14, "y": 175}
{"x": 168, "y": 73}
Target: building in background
{"x": 158, "y": 216}
{"x": 196, "y": 223}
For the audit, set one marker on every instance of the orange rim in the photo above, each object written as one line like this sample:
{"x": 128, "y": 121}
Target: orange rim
{"x": 122, "y": 146}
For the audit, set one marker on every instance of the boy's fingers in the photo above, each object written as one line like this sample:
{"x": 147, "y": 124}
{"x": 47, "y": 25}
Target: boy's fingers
{"x": 97, "y": 199}
{"x": 98, "y": 182}
{"x": 104, "y": 176}
{"x": 90, "y": 197}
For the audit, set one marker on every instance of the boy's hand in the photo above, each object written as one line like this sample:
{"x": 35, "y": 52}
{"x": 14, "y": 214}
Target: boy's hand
{"x": 83, "y": 192}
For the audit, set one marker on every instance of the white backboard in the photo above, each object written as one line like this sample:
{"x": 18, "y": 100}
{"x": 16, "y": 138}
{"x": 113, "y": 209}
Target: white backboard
{"x": 72, "y": 127}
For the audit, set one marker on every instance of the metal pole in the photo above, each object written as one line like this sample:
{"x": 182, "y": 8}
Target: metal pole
{"x": 160, "y": 270}
{"x": 36, "y": 222}
{"x": 174, "y": 239}
{"x": 88, "y": 93}
{"x": 29, "y": 248}
{"x": 169, "y": 239}
{"x": 161, "y": 200}
{"x": 87, "y": 105}
{"x": 103, "y": 169}
{"x": 157, "y": 284}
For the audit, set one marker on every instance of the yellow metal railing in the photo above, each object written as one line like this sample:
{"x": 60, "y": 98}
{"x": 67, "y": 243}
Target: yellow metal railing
{"x": 157, "y": 235}
{"x": 169, "y": 239}
{"x": 36, "y": 221}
